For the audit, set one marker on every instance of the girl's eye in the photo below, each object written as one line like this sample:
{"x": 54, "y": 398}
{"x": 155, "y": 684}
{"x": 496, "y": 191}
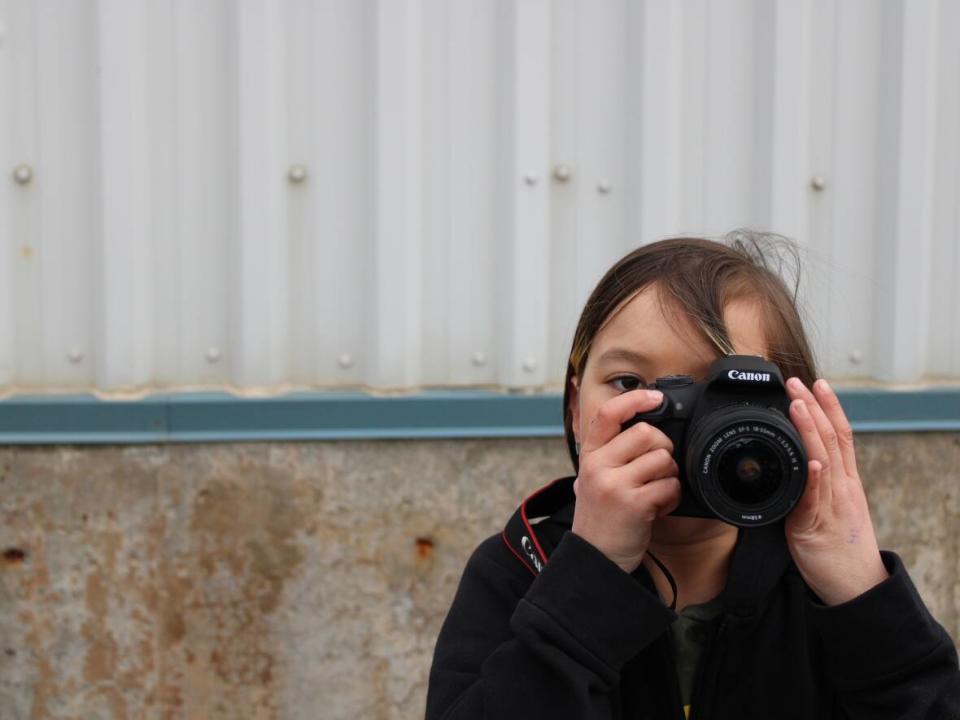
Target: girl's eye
{"x": 631, "y": 383}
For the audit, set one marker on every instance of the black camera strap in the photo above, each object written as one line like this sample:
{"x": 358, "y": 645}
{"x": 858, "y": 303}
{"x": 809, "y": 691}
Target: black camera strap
{"x": 519, "y": 534}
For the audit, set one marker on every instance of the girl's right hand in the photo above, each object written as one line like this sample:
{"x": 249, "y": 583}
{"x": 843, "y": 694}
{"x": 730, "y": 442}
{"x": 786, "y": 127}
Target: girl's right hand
{"x": 627, "y": 479}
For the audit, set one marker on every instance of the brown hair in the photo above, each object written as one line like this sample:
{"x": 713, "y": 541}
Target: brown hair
{"x": 698, "y": 277}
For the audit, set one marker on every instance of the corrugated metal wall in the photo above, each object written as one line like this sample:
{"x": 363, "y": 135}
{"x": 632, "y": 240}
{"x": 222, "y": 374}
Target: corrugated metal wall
{"x": 266, "y": 193}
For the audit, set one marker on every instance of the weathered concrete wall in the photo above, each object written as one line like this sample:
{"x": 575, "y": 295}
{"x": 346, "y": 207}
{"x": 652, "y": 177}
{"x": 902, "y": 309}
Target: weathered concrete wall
{"x": 305, "y": 580}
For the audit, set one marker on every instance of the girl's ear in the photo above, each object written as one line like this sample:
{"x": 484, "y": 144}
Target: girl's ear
{"x": 575, "y": 407}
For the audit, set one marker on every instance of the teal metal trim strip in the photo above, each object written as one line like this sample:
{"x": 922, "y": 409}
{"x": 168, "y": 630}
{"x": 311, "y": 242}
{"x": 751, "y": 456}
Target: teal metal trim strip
{"x": 305, "y": 416}
{"x": 932, "y": 409}
{"x": 221, "y": 417}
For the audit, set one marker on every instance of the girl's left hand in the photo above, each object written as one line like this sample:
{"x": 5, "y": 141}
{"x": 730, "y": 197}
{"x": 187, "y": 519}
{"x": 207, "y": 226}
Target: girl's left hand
{"x": 829, "y": 532}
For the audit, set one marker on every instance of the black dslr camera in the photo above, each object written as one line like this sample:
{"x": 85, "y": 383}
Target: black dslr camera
{"x": 741, "y": 459}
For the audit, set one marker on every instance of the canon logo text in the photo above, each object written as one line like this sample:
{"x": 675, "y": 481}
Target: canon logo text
{"x": 751, "y": 376}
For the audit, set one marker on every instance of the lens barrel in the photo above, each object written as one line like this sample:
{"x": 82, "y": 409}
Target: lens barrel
{"x": 746, "y": 464}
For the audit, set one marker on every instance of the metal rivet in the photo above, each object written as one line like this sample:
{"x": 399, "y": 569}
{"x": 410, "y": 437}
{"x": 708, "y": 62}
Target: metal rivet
{"x": 23, "y": 174}
{"x": 213, "y": 354}
{"x": 75, "y": 355}
{"x": 604, "y": 187}
{"x": 531, "y": 178}
{"x": 345, "y": 360}
{"x": 818, "y": 182}
{"x": 529, "y": 365}
{"x": 297, "y": 173}
{"x": 479, "y": 359}
{"x": 562, "y": 173}
{"x": 856, "y": 357}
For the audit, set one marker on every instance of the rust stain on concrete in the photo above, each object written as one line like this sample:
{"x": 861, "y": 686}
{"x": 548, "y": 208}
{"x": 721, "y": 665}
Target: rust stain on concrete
{"x": 45, "y": 685}
{"x": 100, "y": 663}
{"x": 14, "y": 556}
{"x": 165, "y": 599}
{"x": 245, "y": 544}
{"x": 424, "y": 547}
{"x": 103, "y": 588}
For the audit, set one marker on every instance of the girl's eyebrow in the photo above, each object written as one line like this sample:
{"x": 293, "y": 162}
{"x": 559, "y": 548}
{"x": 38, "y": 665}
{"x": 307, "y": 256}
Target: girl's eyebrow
{"x": 623, "y": 354}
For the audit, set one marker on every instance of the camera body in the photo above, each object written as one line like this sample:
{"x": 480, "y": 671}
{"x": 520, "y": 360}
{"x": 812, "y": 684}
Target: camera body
{"x": 740, "y": 458}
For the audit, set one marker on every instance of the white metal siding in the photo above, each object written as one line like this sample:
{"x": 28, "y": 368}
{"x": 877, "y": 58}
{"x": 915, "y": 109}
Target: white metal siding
{"x": 161, "y": 241}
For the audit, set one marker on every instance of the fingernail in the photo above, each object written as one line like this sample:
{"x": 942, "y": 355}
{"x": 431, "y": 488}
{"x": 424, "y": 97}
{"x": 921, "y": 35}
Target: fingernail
{"x": 794, "y": 383}
{"x": 801, "y": 407}
{"x": 655, "y": 395}
{"x": 825, "y": 386}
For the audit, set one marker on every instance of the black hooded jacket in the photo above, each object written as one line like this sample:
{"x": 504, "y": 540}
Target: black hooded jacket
{"x": 584, "y": 640}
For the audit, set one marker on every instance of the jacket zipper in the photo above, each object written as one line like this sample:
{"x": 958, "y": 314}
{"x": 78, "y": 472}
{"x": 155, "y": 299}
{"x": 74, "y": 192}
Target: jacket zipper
{"x": 709, "y": 666}
{"x": 674, "y": 679}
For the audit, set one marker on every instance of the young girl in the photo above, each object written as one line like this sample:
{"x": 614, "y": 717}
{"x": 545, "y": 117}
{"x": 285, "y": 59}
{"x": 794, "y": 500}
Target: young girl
{"x": 804, "y": 618}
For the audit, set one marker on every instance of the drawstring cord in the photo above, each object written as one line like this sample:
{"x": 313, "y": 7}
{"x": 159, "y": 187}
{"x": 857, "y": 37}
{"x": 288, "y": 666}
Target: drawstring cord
{"x": 666, "y": 573}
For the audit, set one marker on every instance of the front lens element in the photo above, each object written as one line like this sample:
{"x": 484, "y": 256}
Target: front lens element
{"x": 750, "y": 471}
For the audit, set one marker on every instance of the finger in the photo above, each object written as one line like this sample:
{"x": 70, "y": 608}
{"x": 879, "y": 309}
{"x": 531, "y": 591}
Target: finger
{"x": 613, "y": 413}
{"x": 806, "y": 512}
{"x": 657, "y": 498}
{"x": 810, "y": 436}
{"x": 834, "y": 411}
{"x": 832, "y": 459}
{"x": 632, "y": 443}
{"x": 650, "y": 466}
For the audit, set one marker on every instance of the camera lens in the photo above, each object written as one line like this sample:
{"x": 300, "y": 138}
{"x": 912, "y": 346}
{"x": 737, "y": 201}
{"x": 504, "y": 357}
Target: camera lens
{"x": 750, "y": 471}
{"x": 746, "y": 464}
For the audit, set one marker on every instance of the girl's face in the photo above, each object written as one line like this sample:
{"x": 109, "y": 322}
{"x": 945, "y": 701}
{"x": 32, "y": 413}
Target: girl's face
{"x": 638, "y": 345}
